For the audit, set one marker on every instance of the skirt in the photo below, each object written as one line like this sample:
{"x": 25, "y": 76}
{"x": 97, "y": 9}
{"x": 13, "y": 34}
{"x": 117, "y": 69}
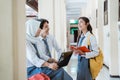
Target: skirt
{"x": 83, "y": 71}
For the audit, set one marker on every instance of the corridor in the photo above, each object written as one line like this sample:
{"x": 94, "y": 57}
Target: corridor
{"x": 104, "y": 16}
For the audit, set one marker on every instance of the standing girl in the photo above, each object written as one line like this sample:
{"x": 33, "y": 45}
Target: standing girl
{"x": 85, "y": 29}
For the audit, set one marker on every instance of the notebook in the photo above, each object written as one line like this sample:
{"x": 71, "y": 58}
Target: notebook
{"x": 82, "y": 48}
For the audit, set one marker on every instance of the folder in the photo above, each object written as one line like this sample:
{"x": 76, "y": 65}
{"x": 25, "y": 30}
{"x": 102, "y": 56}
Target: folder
{"x": 64, "y": 58}
{"x": 82, "y": 48}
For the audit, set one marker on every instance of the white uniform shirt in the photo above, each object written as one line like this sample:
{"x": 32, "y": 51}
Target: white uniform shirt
{"x": 52, "y": 43}
{"x": 93, "y": 46}
{"x": 32, "y": 58}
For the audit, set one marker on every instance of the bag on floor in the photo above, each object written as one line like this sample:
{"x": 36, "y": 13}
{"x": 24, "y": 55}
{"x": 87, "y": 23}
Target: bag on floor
{"x": 40, "y": 76}
{"x": 96, "y": 63}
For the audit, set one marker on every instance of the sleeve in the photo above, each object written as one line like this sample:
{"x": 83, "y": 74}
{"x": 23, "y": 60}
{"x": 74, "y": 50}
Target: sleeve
{"x": 94, "y": 48}
{"x": 32, "y": 57}
{"x": 57, "y": 48}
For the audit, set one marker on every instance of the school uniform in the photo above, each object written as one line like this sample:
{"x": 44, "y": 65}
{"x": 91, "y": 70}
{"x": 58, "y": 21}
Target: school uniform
{"x": 83, "y": 71}
{"x": 34, "y": 66}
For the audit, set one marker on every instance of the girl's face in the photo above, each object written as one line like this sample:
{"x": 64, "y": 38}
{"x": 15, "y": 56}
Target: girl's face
{"x": 82, "y": 25}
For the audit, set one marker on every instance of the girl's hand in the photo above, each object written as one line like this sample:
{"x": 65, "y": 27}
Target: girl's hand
{"x": 45, "y": 64}
{"x": 38, "y": 32}
{"x": 44, "y": 32}
{"x": 79, "y": 52}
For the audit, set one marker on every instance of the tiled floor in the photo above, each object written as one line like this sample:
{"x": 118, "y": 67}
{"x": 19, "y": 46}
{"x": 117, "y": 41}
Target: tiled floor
{"x": 72, "y": 68}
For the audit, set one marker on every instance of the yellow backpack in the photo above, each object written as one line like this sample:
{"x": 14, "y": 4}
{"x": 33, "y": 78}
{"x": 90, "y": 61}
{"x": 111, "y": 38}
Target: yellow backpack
{"x": 96, "y": 63}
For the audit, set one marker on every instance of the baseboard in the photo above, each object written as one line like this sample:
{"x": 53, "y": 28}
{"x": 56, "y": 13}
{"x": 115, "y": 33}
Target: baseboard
{"x": 106, "y": 66}
{"x": 114, "y": 76}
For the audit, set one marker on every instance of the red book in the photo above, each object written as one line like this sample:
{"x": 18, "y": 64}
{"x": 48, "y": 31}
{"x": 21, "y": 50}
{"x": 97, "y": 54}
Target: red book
{"x": 82, "y": 48}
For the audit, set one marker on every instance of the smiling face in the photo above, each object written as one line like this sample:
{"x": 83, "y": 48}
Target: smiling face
{"x": 82, "y": 25}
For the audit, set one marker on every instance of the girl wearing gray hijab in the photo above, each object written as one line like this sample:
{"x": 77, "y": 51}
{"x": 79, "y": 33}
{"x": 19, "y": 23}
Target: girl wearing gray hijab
{"x": 38, "y": 62}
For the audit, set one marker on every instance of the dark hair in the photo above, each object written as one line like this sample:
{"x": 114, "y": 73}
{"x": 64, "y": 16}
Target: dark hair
{"x": 89, "y": 27}
{"x": 43, "y": 21}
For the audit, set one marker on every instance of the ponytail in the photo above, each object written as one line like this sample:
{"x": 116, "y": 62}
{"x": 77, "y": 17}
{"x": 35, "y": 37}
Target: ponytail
{"x": 89, "y": 28}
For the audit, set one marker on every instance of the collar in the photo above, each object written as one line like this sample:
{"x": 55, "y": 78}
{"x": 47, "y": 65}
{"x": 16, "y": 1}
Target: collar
{"x": 88, "y": 33}
{"x": 41, "y": 38}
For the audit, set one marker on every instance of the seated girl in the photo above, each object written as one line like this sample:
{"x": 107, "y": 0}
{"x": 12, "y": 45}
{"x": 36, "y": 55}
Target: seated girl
{"x": 38, "y": 62}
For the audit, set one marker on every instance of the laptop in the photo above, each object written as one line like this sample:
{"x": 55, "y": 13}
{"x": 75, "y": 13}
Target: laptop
{"x": 64, "y": 58}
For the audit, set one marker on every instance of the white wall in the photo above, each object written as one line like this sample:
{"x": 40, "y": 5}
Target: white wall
{"x": 106, "y": 42}
{"x": 119, "y": 44}
{"x": 12, "y": 40}
{"x": 6, "y": 58}
{"x": 113, "y": 24}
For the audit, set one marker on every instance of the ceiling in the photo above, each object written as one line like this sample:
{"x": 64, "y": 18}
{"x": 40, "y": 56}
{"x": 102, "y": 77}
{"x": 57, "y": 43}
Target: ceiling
{"x": 73, "y": 8}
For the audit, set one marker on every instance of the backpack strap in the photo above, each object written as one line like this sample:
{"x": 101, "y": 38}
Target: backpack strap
{"x": 88, "y": 40}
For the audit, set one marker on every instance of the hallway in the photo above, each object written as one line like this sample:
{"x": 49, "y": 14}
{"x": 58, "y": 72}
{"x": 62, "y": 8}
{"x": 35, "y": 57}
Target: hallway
{"x": 104, "y": 16}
